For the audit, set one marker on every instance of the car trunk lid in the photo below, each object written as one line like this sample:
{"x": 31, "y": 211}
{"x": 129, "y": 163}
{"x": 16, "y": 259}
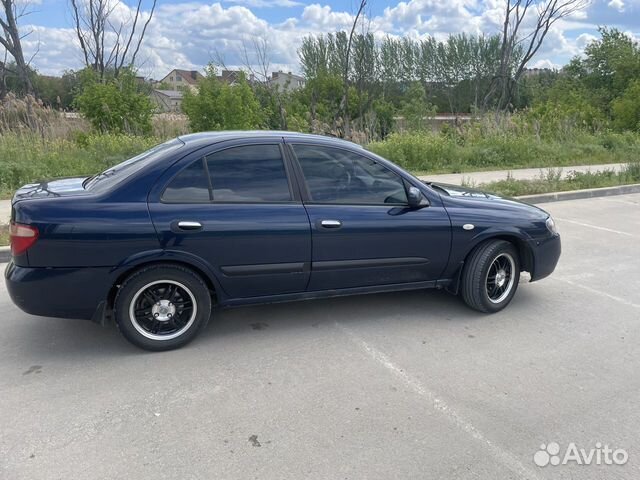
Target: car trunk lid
{"x": 62, "y": 187}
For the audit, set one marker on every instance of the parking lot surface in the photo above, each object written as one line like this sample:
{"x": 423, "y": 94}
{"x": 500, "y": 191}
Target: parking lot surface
{"x": 403, "y": 385}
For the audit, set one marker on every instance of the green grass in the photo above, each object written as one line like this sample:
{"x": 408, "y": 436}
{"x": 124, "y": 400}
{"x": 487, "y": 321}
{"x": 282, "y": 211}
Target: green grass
{"x": 28, "y": 158}
{"x": 439, "y": 153}
{"x": 551, "y": 181}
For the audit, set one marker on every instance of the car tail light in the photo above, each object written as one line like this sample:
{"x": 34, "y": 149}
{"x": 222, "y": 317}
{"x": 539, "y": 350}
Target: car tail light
{"x": 22, "y": 237}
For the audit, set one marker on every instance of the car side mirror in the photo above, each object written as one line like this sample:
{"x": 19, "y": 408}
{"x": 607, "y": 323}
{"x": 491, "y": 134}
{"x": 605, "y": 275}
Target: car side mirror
{"x": 416, "y": 199}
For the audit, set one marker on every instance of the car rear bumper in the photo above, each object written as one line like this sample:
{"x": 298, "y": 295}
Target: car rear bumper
{"x": 58, "y": 292}
{"x": 545, "y": 256}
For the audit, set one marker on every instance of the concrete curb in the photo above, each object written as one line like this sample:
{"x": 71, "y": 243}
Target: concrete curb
{"x": 579, "y": 194}
{"x": 5, "y": 254}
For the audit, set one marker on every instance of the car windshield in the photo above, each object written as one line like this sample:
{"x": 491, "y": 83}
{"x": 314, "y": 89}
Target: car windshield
{"x": 117, "y": 173}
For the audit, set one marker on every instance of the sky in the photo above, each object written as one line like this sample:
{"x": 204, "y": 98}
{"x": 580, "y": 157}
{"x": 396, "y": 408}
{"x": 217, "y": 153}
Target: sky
{"x": 190, "y": 34}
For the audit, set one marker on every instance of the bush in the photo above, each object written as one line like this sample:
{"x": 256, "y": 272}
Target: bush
{"x": 115, "y": 105}
{"x": 626, "y": 109}
{"x": 219, "y": 106}
{"x": 485, "y": 145}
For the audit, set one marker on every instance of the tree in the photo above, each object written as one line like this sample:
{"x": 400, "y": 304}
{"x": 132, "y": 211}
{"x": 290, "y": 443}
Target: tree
{"x": 114, "y": 105}
{"x": 415, "y": 108}
{"x": 517, "y": 50}
{"x": 323, "y": 88}
{"x": 106, "y": 43}
{"x": 610, "y": 65}
{"x": 626, "y": 108}
{"x": 364, "y": 73}
{"x": 11, "y": 40}
{"x": 57, "y": 92}
{"x": 220, "y": 106}
{"x": 271, "y": 97}
{"x": 344, "y": 103}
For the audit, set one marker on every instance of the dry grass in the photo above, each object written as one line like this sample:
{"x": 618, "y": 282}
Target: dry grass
{"x": 27, "y": 116}
{"x": 4, "y": 235}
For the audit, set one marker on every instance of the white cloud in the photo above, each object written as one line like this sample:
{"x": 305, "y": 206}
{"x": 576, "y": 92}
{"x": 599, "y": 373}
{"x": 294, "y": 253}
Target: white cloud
{"x": 583, "y": 40}
{"x": 617, "y": 4}
{"x": 266, "y": 3}
{"x": 546, "y": 63}
{"x": 187, "y": 35}
{"x": 320, "y": 17}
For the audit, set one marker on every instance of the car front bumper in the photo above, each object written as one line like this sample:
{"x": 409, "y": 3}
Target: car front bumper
{"x": 546, "y": 253}
{"x": 59, "y": 292}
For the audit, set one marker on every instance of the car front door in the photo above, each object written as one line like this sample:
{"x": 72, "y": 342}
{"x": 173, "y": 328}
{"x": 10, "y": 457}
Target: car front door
{"x": 237, "y": 208}
{"x": 363, "y": 231}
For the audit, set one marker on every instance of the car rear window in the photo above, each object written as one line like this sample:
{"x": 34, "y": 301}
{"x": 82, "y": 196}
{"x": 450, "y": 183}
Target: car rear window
{"x": 246, "y": 174}
{"x": 251, "y": 173}
{"x": 116, "y": 174}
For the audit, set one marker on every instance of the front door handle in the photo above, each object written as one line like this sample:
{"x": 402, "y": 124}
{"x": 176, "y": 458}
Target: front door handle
{"x": 331, "y": 223}
{"x": 189, "y": 225}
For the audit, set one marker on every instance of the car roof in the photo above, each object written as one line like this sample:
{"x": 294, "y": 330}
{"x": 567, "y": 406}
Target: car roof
{"x": 208, "y": 138}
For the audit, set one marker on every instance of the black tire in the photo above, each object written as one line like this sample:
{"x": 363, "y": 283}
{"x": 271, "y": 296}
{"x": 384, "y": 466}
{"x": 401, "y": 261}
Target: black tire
{"x": 479, "y": 289}
{"x": 182, "y": 307}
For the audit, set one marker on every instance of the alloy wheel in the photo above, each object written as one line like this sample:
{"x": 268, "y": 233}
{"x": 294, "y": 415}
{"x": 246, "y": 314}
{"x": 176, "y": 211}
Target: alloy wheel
{"x": 500, "y": 277}
{"x": 163, "y": 310}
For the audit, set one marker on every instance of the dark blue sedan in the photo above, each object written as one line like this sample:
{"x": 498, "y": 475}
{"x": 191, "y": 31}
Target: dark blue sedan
{"x": 236, "y": 218}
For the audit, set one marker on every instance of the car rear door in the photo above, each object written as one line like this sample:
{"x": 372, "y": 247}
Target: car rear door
{"x": 363, "y": 231}
{"x": 236, "y": 206}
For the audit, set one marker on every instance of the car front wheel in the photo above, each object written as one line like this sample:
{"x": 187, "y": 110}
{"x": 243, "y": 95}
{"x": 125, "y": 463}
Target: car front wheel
{"x": 490, "y": 276}
{"x": 162, "y": 307}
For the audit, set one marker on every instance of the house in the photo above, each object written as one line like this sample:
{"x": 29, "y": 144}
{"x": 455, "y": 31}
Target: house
{"x": 287, "y": 81}
{"x": 167, "y": 100}
{"x": 181, "y": 79}
{"x": 231, "y": 77}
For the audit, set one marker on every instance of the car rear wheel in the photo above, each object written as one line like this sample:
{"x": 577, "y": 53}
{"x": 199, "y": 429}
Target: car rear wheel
{"x": 490, "y": 276}
{"x": 162, "y": 307}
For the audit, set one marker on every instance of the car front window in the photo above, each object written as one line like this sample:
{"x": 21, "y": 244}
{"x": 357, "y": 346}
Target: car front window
{"x": 341, "y": 176}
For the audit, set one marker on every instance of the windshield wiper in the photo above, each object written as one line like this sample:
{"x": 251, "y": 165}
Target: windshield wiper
{"x": 97, "y": 177}
{"x": 89, "y": 179}
{"x": 435, "y": 185}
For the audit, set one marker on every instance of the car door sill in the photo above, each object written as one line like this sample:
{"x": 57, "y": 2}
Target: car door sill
{"x": 292, "y": 297}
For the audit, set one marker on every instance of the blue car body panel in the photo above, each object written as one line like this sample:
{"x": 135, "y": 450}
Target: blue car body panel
{"x": 90, "y": 240}
{"x": 377, "y": 245}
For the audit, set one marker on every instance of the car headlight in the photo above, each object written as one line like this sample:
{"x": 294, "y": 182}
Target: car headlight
{"x": 551, "y": 226}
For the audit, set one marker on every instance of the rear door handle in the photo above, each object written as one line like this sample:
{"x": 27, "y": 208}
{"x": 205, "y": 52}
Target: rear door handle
{"x": 331, "y": 223}
{"x": 183, "y": 225}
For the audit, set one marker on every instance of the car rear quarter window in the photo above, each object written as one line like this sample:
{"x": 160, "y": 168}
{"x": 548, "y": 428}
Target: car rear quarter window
{"x": 189, "y": 186}
{"x": 250, "y": 173}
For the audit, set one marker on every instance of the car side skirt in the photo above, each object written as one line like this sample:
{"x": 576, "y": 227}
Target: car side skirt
{"x": 292, "y": 297}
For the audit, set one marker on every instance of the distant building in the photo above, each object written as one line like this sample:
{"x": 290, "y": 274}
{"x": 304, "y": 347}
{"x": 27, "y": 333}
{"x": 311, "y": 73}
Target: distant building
{"x": 231, "y": 77}
{"x": 181, "y": 79}
{"x": 533, "y": 72}
{"x": 287, "y": 81}
{"x": 167, "y": 100}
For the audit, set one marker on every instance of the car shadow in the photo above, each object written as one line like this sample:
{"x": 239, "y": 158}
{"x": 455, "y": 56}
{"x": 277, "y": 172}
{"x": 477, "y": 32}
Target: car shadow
{"x": 80, "y": 339}
{"x": 430, "y": 305}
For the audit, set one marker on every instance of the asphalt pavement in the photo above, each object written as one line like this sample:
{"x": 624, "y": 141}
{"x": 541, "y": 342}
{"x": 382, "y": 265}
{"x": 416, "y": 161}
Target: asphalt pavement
{"x": 403, "y": 385}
